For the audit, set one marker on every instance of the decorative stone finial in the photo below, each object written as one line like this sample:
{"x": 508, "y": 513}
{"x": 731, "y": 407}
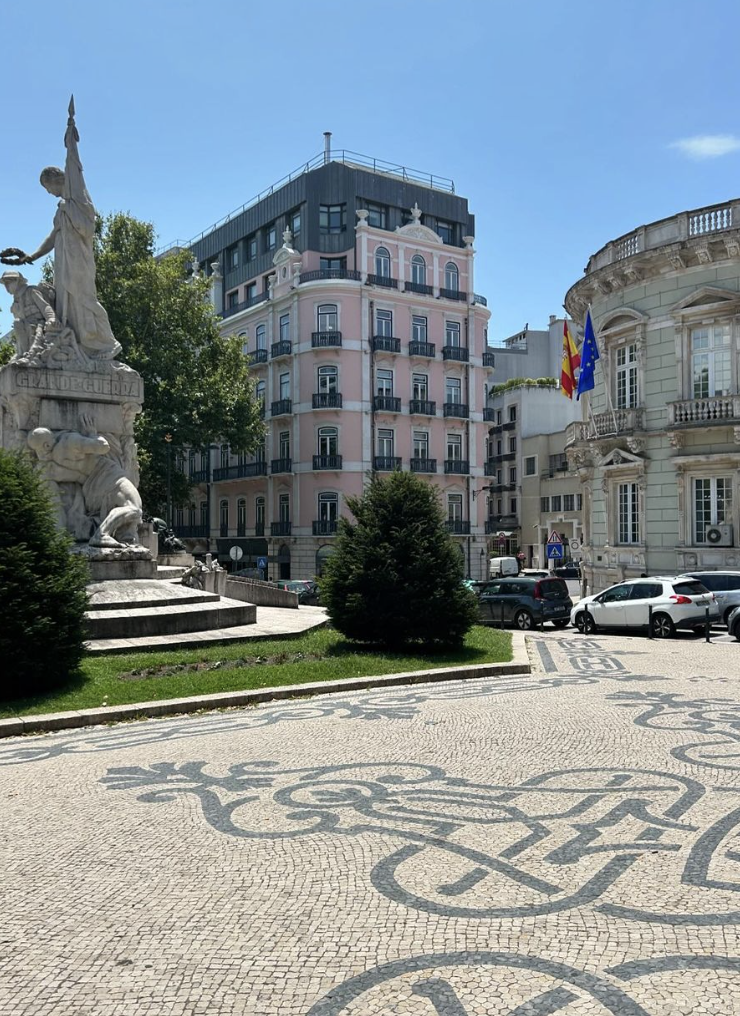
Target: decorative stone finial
{"x": 287, "y": 237}
{"x": 416, "y": 214}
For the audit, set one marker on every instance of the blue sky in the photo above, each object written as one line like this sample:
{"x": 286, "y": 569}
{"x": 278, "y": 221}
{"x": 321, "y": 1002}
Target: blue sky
{"x": 565, "y": 124}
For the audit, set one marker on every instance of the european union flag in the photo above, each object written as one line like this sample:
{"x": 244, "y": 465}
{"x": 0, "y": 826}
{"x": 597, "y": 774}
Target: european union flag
{"x": 589, "y": 356}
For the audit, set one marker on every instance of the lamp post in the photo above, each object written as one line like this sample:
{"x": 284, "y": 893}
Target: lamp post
{"x": 168, "y": 440}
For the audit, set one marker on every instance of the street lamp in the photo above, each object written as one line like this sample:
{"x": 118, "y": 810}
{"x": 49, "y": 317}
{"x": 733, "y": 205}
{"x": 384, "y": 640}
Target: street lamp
{"x": 168, "y": 439}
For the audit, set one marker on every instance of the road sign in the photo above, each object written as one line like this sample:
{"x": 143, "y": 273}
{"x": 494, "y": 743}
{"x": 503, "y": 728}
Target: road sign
{"x": 554, "y": 551}
{"x": 262, "y": 563}
{"x": 236, "y": 553}
{"x": 554, "y": 538}
{"x": 574, "y": 545}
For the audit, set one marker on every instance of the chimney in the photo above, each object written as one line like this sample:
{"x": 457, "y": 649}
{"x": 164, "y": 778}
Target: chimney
{"x": 327, "y": 147}
{"x": 553, "y": 319}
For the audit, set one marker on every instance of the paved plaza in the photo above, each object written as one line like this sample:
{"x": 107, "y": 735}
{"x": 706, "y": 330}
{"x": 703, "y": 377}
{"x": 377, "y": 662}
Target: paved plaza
{"x": 562, "y": 843}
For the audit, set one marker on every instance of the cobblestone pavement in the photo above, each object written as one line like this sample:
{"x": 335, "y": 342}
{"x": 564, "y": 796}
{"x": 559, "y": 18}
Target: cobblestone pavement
{"x": 562, "y": 843}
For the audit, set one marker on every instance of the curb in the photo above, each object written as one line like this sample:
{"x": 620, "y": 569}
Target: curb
{"x": 39, "y": 723}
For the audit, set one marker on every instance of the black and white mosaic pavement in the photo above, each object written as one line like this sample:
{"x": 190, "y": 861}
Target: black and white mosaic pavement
{"x": 565, "y": 843}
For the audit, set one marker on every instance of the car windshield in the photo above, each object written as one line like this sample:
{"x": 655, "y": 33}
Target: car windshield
{"x": 690, "y": 588}
{"x": 713, "y": 583}
{"x": 553, "y": 589}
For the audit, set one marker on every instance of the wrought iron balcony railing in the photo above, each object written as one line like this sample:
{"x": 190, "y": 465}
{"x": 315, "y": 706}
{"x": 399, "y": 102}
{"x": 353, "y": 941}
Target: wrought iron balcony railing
{"x": 386, "y": 463}
{"x": 418, "y": 287}
{"x": 323, "y": 274}
{"x": 422, "y": 349}
{"x": 489, "y": 359}
{"x": 281, "y": 407}
{"x": 283, "y": 348}
{"x": 386, "y": 344}
{"x": 326, "y": 400}
{"x": 457, "y": 527}
{"x": 324, "y": 527}
{"x": 458, "y": 466}
{"x": 423, "y": 407}
{"x": 280, "y": 528}
{"x": 459, "y": 409}
{"x": 281, "y": 465}
{"x": 240, "y": 471}
{"x": 419, "y": 465}
{"x": 386, "y": 404}
{"x": 327, "y": 462}
{"x": 461, "y": 353}
{"x": 382, "y": 280}
{"x": 258, "y": 356}
{"x": 322, "y": 340}
{"x": 453, "y": 294}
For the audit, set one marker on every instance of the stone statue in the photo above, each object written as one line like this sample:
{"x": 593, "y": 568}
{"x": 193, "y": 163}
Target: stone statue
{"x": 71, "y": 240}
{"x": 68, "y": 457}
{"x": 33, "y": 310}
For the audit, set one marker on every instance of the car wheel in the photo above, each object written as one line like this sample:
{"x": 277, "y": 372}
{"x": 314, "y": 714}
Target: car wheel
{"x": 585, "y": 623}
{"x": 663, "y": 627}
{"x": 561, "y": 623}
{"x": 523, "y": 620}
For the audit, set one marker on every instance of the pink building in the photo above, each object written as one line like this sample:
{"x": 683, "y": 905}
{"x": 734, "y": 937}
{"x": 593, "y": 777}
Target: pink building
{"x": 369, "y": 356}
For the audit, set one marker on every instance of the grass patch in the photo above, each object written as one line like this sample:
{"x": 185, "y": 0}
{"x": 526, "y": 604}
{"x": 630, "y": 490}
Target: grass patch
{"x": 320, "y": 655}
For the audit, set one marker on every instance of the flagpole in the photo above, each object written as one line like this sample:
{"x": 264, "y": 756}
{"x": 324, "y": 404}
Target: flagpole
{"x": 607, "y": 380}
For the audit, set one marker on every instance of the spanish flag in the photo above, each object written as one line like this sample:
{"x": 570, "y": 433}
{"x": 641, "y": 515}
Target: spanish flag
{"x": 571, "y": 363}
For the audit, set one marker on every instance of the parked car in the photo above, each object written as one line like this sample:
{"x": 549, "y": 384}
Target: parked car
{"x": 733, "y": 623}
{"x": 568, "y": 571}
{"x": 500, "y": 566}
{"x": 308, "y": 591}
{"x": 525, "y": 602}
{"x": 532, "y": 573}
{"x": 679, "y": 602}
{"x": 726, "y": 587}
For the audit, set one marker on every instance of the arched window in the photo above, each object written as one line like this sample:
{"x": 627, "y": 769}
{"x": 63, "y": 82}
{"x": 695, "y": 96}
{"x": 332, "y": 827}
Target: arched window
{"x": 322, "y": 555}
{"x": 382, "y": 263}
{"x": 241, "y": 517}
{"x": 260, "y": 393}
{"x": 327, "y": 317}
{"x": 245, "y": 344}
{"x": 224, "y": 455}
{"x": 328, "y": 441}
{"x": 259, "y": 516}
{"x": 328, "y": 507}
{"x": 418, "y": 270}
{"x": 328, "y": 379}
{"x": 260, "y": 336}
{"x": 223, "y": 517}
{"x": 452, "y": 277}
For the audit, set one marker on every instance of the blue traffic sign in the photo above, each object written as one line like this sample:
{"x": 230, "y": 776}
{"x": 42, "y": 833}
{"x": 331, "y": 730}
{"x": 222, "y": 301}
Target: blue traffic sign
{"x": 262, "y": 563}
{"x": 554, "y": 551}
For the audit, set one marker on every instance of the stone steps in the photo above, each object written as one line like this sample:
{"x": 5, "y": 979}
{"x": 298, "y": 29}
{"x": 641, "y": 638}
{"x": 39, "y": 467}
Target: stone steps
{"x": 135, "y": 621}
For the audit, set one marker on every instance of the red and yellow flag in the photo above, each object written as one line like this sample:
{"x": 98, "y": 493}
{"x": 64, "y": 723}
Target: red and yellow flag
{"x": 571, "y": 363}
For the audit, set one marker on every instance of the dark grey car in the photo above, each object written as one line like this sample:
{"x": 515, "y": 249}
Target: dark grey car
{"x": 526, "y": 603}
{"x": 726, "y": 588}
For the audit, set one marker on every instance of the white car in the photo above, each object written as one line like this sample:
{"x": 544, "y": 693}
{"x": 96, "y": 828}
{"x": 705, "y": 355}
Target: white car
{"x": 679, "y": 602}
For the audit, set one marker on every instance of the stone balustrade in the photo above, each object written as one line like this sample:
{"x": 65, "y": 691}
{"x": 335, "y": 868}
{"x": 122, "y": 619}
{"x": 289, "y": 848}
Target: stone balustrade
{"x": 718, "y": 410}
{"x": 612, "y": 423}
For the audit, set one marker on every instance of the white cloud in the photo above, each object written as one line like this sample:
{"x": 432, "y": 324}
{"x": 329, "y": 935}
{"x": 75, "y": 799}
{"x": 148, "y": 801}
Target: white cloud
{"x": 707, "y": 146}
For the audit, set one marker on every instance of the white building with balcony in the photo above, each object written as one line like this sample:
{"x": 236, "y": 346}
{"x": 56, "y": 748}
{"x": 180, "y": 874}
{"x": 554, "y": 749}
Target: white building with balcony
{"x": 658, "y": 446}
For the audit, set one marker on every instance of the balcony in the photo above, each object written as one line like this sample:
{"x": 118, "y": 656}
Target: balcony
{"x": 459, "y": 467}
{"x": 459, "y": 409}
{"x": 284, "y": 348}
{"x": 382, "y": 280}
{"x": 386, "y": 463}
{"x": 245, "y": 304}
{"x": 192, "y": 532}
{"x": 717, "y": 411}
{"x": 423, "y": 407}
{"x": 453, "y": 294}
{"x": 489, "y": 415}
{"x": 324, "y": 527}
{"x": 386, "y": 404}
{"x": 489, "y": 359}
{"x": 422, "y": 349}
{"x": 259, "y": 529}
{"x": 507, "y": 457}
{"x": 457, "y": 527}
{"x": 419, "y": 465}
{"x": 481, "y": 300}
{"x": 282, "y": 407}
{"x": 327, "y": 462}
{"x": 258, "y": 356}
{"x": 280, "y": 528}
{"x": 281, "y": 465}
{"x": 323, "y": 340}
{"x": 386, "y": 344}
{"x": 199, "y": 476}
{"x": 491, "y": 467}
{"x": 502, "y": 488}
{"x": 418, "y": 287}
{"x": 620, "y": 422}
{"x": 495, "y": 523}
{"x": 240, "y": 471}
{"x": 326, "y": 400}
{"x": 327, "y": 274}
{"x": 460, "y": 353}
{"x": 509, "y": 425}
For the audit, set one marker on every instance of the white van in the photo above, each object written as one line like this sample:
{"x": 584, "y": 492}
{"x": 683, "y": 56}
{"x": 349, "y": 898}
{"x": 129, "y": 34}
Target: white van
{"x": 500, "y": 566}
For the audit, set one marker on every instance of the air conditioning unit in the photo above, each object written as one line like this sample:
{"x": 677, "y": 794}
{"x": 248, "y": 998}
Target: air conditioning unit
{"x": 720, "y": 535}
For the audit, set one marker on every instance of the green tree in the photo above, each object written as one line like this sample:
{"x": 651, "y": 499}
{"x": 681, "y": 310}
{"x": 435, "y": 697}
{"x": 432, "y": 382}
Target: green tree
{"x": 396, "y": 574}
{"x": 197, "y": 386}
{"x": 7, "y": 349}
{"x": 42, "y": 586}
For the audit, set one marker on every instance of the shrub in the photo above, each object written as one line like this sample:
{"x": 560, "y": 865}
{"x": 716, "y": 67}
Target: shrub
{"x": 396, "y": 574}
{"x": 42, "y": 586}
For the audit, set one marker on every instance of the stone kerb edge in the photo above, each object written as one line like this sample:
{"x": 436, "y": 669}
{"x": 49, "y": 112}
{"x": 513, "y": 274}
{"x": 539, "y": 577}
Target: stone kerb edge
{"x": 13, "y": 726}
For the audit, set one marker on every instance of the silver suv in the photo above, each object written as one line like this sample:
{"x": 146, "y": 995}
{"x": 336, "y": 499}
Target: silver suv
{"x": 726, "y": 588}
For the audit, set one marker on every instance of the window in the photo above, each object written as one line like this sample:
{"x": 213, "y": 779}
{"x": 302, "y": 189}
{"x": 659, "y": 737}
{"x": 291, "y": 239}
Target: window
{"x": 376, "y": 215}
{"x": 382, "y": 263}
{"x": 245, "y": 343}
{"x": 452, "y": 333}
{"x": 628, "y": 513}
{"x": 204, "y": 461}
{"x": 452, "y": 277}
{"x": 223, "y": 518}
{"x": 285, "y": 327}
{"x": 420, "y": 387}
{"x": 232, "y": 300}
{"x": 385, "y": 443}
{"x": 232, "y": 258}
{"x": 260, "y": 337}
{"x": 453, "y": 389}
{"x": 384, "y": 323}
{"x": 418, "y": 329}
{"x": 284, "y": 507}
{"x": 512, "y": 505}
{"x": 499, "y": 418}
{"x": 250, "y": 292}
{"x": 327, "y": 317}
{"x": 558, "y": 463}
{"x": 446, "y": 231}
{"x": 224, "y": 451}
{"x": 259, "y": 453}
{"x": 454, "y": 447}
{"x": 328, "y": 441}
{"x": 294, "y": 222}
{"x": 512, "y": 474}
{"x": 328, "y": 379}
{"x": 710, "y": 361}
{"x": 418, "y": 270}
{"x": 579, "y": 502}
{"x": 270, "y": 237}
{"x": 421, "y": 444}
{"x": 284, "y": 444}
{"x": 454, "y": 507}
{"x": 530, "y": 465}
{"x": 332, "y": 218}
{"x": 556, "y": 502}
{"x": 384, "y": 383}
{"x": 544, "y": 504}
{"x": 569, "y": 502}
{"x": 251, "y": 247}
{"x": 627, "y": 377}
{"x": 512, "y": 445}
{"x": 712, "y": 504}
{"x": 285, "y": 385}
{"x": 328, "y": 507}
{"x": 260, "y": 392}
{"x": 512, "y": 414}
{"x": 259, "y": 513}
{"x": 332, "y": 264}
{"x": 241, "y": 517}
